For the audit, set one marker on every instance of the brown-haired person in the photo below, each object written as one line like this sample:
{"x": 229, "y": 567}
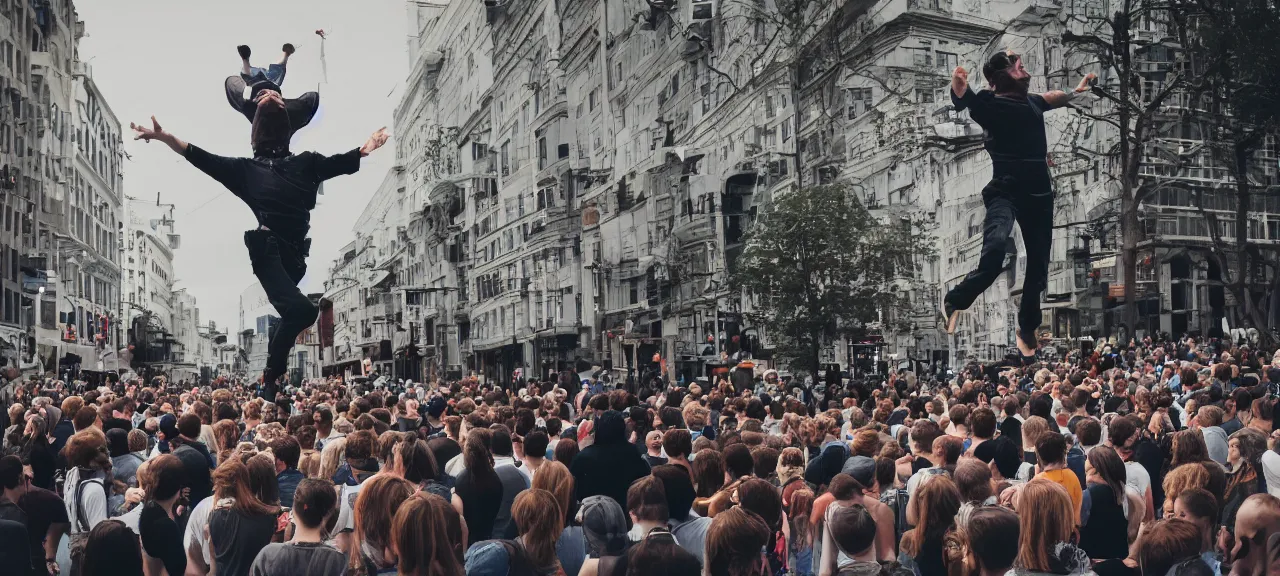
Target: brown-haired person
{"x": 240, "y": 524}
{"x": 478, "y": 492}
{"x": 369, "y": 547}
{"x": 735, "y": 542}
{"x": 989, "y": 543}
{"x": 1046, "y": 520}
{"x": 935, "y": 506}
{"x": 158, "y": 521}
{"x": 314, "y": 503}
{"x": 1168, "y": 544}
{"x": 423, "y": 540}
{"x": 88, "y": 480}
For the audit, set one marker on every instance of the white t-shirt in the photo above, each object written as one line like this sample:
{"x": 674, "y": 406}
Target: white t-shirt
{"x": 1271, "y": 472}
{"x": 1136, "y": 477}
{"x": 195, "y": 528}
{"x": 346, "y": 507}
{"x": 93, "y": 499}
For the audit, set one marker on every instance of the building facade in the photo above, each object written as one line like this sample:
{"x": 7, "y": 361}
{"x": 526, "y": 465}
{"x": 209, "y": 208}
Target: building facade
{"x": 574, "y": 181}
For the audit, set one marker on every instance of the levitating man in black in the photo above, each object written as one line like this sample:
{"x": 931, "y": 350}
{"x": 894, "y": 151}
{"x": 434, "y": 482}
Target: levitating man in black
{"x": 1020, "y": 190}
{"x": 280, "y": 187}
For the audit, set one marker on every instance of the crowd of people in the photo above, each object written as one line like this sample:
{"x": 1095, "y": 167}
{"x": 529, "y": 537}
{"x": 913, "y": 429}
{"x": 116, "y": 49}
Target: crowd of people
{"x": 1153, "y": 457}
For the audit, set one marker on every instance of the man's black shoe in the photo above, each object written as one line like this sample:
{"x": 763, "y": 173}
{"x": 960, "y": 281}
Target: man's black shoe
{"x": 288, "y": 49}
{"x": 244, "y": 51}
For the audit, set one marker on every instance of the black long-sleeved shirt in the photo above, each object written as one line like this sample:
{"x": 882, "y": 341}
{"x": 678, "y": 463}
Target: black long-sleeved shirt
{"x": 280, "y": 191}
{"x": 1014, "y": 126}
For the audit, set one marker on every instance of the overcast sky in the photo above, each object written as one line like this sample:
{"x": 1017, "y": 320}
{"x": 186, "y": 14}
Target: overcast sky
{"x": 168, "y": 58}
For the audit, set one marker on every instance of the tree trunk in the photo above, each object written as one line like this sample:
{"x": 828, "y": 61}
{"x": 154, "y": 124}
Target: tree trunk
{"x": 1130, "y": 234}
{"x": 815, "y": 356}
{"x": 793, "y": 84}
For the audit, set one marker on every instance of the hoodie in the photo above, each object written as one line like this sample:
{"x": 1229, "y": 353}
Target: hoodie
{"x": 1215, "y": 439}
{"x": 609, "y": 465}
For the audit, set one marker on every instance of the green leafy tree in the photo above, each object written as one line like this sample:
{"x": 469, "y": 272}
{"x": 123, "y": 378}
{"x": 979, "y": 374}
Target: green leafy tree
{"x": 819, "y": 266}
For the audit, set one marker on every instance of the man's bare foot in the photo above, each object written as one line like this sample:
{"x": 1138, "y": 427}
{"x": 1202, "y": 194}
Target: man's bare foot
{"x": 951, "y": 316}
{"x": 1027, "y": 349}
{"x": 288, "y": 49}
{"x": 244, "y": 52}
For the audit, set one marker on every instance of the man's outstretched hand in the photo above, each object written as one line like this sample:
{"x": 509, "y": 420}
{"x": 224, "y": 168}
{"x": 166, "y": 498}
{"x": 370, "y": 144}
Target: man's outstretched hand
{"x": 1086, "y": 83}
{"x": 148, "y": 134}
{"x": 374, "y": 142}
{"x": 959, "y": 82}
{"x": 155, "y": 132}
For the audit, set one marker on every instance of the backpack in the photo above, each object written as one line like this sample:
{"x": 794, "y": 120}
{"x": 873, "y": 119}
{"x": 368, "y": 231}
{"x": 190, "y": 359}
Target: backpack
{"x": 76, "y": 542}
{"x": 896, "y": 500}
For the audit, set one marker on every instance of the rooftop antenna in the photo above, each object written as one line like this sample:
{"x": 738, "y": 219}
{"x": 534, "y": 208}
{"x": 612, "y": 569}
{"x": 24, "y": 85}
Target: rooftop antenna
{"x": 324, "y": 67}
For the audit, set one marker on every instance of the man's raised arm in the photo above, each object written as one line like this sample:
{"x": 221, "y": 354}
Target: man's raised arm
{"x": 1059, "y": 98}
{"x": 227, "y": 171}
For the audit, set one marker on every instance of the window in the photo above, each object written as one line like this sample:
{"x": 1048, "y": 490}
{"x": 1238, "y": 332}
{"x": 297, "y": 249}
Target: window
{"x": 759, "y": 31}
{"x": 858, "y": 100}
{"x": 542, "y": 152}
{"x": 592, "y": 99}
{"x": 506, "y": 158}
{"x": 769, "y": 110}
{"x": 924, "y": 95}
{"x": 947, "y": 61}
{"x": 922, "y": 58}
{"x": 786, "y": 131}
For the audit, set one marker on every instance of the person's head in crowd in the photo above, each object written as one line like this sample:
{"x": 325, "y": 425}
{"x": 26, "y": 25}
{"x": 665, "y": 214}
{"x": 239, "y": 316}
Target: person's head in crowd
{"x": 137, "y": 440}
{"x": 70, "y": 406}
{"x": 1121, "y": 434}
{"x": 982, "y": 423}
{"x": 189, "y": 427}
{"x": 764, "y": 499}
{"x": 708, "y": 472}
{"x": 678, "y": 489}
{"x": 323, "y": 417}
{"x": 866, "y": 442}
{"x": 936, "y": 502}
{"x": 566, "y": 450}
{"x": 422, "y": 538}
{"x": 535, "y": 448}
{"x": 1051, "y": 448}
{"x": 361, "y": 449}
{"x": 286, "y": 451}
{"x": 1169, "y": 543}
{"x": 659, "y": 553}
{"x": 923, "y": 433}
{"x": 1047, "y": 518}
{"x": 555, "y": 478}
{"x": 387, "y": 442}
{"x": 1088, "y": 433}
{"x": 647, "y": 503}
{"x": 737, "y": 462}
{"x": 163, "y": 479}
{"x": 973, "y": 480}
{"x": 476, "y": 453}
{"x": 992, "y": 539}
{"x": 1103, "y": 466}
{"x": 1208, "y": 416}
{"x": 413, "y": 461}
{"x": 87, "y": 449}
{"x": 111, "y": 549}
{"x": 1200, "y": 507}
{"x": 734, "y": 542}
{"x": 1245, "y": 448}
{"x": 85, "y": 417}
{"x": 314, "y": 502}
{"x": 262, "y": 478}
{"x": 678, "y": 444}
{"x": 232, "y": 480}
{"x": 1187, "y": 446}
{"x": 117, "y": 442}
{"x": 1032, "y": 429}
{"x": 853, "y": 530}
{"x": 374, "y": 514}
{"x": 946, "y": 451}
{"x": 604, "y": 526}
{"x": 766, "y": 461}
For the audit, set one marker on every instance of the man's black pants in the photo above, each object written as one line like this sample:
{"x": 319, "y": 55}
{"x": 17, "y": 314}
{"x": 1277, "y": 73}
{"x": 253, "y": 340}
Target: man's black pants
{"x": 1022, "y": 193}
{"x": 279, "y": 267}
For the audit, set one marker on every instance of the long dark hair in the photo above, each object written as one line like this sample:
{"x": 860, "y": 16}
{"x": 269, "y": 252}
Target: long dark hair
{"x": 1110, "y": 468}
{"x": 476, "y": 454}
{"x": 112, "y": 549}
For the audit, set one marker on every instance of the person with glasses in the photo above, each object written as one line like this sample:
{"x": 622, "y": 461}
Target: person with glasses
{"x": 1021, "y": 189}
